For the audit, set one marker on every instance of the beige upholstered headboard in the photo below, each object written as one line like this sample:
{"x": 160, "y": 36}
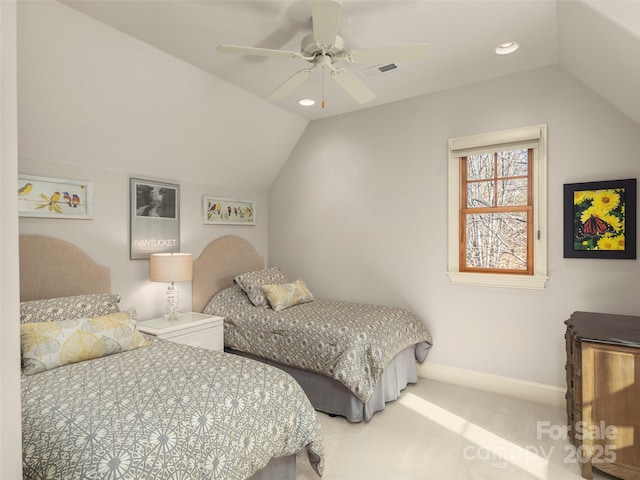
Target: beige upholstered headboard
{"x": 218, "y": 264}
{"x": 50, "y": 267}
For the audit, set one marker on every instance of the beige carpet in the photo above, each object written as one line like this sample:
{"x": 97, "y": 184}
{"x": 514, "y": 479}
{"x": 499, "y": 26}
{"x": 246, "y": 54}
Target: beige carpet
{"x": 444, "y": 432}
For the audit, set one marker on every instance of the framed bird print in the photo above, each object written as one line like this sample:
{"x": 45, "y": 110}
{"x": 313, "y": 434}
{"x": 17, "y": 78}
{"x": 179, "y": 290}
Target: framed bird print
{"x": 54, "y": 197}
{"x": 600, "y": 219}
{"x": 227, "y": 211}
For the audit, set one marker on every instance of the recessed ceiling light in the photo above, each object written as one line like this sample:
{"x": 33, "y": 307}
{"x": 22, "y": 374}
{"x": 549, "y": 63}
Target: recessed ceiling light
{"x": 306, "y": 102}
{"x": 507, "y": 48}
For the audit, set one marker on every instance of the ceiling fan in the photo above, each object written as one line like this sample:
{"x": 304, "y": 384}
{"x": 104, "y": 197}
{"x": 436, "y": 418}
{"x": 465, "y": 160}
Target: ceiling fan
{"x": 323, "y": 48}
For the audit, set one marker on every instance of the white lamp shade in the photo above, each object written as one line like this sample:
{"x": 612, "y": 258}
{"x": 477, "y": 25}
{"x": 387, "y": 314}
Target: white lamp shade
{"x": 170, "y": 267}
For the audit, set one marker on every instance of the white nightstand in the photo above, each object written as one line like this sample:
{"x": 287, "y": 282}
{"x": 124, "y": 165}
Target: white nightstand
{"x": 195, "y": 329}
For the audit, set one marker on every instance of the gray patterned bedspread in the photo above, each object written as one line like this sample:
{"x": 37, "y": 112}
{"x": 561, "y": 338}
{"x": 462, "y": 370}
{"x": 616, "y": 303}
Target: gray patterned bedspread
{"x": 349, "y": 342}
{"x": 166, "y": 411}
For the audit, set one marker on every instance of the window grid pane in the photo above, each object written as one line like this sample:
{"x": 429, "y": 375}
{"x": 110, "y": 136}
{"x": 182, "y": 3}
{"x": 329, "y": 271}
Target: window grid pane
{"x": 512, "y": 191}
{"x": 496, "y": 241}
{"x": 513, "y": 163}
{"x": 480, "y": 166}
{"x": 480, "y": 194}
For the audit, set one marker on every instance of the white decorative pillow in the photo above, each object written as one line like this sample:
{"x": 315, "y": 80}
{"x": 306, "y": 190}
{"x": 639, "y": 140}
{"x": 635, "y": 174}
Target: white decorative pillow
{"x": 47, "y": 345}
{"x": 252, "y": 282}
{"x": 287, "y": 295}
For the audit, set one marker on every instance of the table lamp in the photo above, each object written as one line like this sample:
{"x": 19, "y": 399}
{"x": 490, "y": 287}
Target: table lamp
{"x": 171, "y": 267}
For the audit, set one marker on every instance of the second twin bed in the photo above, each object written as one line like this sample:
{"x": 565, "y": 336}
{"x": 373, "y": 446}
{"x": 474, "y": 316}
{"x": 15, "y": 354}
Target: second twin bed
{"x": 349, "y": 358}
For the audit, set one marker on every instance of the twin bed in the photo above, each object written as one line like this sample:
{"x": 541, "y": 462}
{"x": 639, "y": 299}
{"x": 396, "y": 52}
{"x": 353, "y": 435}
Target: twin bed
{"x": 132, "y": 407}
{"x": 350, "y": 359}
{"x": 140, "y": 407}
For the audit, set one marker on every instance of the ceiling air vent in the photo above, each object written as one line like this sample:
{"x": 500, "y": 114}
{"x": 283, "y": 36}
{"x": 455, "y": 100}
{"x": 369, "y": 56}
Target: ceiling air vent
{"x": 379, "y": 70}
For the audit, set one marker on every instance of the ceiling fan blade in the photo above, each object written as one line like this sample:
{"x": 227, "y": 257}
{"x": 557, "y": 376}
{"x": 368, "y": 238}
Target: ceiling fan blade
{"x": 326, "y": 19}
{"x": 265, "y": 52}
{"x": 405, "y": 53}
{"x": 290, "y": 85}
{"x": 353, "y": 86}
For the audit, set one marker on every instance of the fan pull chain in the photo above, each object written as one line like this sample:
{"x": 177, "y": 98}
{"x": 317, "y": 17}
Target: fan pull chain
{"x": 323, "y": 72}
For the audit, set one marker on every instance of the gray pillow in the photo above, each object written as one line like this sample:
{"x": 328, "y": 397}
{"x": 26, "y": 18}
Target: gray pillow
{"x": 252, "y": 282}
{"x": 65, "y": 308}
{"x": 232, "y": 296}
{"x": 227, "y": 301}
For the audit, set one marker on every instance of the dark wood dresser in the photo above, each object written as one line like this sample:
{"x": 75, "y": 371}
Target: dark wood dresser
{"x": 603, "y": 392}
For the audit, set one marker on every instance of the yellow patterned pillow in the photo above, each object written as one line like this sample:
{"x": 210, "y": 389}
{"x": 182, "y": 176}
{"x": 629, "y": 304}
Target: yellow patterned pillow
{"x": 287, "y": 295}
{"x": 47, "y": 345}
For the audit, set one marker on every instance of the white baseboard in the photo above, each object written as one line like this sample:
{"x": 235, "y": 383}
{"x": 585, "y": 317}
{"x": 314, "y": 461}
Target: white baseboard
{"x": 511, "y": 387}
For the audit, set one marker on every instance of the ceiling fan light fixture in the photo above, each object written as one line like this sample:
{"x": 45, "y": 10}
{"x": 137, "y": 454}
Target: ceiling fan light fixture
{"x": 307, "y": 102}
{"x": 507, "y": 48}
{"x": 323, "y": 47}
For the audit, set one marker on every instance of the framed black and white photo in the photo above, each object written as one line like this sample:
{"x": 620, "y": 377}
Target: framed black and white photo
{"x": 155, "y": 218}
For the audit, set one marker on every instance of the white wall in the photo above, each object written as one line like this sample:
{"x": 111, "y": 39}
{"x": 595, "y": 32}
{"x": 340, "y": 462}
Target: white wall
{"x": 10, "y": 424}
{"x": 95, "y": 104}
{"x": 359, "y": 212}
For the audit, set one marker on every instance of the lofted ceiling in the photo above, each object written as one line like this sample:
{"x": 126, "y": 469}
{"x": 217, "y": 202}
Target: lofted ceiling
{"x": 461, "y": 35}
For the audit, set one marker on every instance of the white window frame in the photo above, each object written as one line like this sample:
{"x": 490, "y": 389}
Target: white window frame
{"x": 528, "y": 137}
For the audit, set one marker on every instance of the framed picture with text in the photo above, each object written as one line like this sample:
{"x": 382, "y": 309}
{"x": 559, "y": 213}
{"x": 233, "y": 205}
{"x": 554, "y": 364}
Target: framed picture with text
{"x": 154, "y": 218}
{"x": 600, "y": 219}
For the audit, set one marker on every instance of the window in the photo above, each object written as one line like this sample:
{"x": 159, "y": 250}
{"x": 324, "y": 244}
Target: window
{"x": 497, "y": 208}
{"x": 496, "y": 212}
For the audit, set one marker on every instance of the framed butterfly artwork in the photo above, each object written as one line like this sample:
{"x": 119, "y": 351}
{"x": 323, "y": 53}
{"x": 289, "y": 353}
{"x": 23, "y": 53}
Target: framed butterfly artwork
{"x": 600, "y": 219}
